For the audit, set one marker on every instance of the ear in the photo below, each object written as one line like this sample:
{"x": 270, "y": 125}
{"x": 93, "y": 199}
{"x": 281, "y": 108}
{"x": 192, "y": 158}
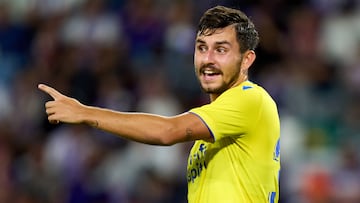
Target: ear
{"x": 248, "y": 59}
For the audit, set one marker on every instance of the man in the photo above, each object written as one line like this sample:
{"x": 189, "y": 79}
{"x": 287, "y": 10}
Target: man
{"x": 236, "y": 154}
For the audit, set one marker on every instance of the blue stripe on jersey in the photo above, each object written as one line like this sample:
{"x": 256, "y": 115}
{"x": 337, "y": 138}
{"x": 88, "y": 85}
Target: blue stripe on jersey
{"x": 272, "y": 196}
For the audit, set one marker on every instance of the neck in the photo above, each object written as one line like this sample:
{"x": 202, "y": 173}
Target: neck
{"x": 213, "y": 97}
{"x": 242, "y": 79}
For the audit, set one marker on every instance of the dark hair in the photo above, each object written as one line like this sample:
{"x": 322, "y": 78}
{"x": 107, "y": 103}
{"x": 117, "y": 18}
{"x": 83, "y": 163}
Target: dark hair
{"x": 221, "y": 17}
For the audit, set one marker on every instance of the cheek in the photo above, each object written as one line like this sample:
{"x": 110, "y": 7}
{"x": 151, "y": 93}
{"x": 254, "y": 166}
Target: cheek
{"x": 231, "y": 67}
{"x": 197, "y": 63}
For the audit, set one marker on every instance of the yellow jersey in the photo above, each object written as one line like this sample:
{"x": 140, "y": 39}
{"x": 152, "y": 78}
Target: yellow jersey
{"x": 242, "y": 165}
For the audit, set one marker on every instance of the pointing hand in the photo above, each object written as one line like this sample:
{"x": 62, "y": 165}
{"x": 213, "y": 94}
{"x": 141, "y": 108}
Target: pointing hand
{"x": 62, "y": 108}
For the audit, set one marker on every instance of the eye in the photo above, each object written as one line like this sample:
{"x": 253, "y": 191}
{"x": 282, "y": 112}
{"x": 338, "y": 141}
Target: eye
{"x": 221, "y": 50}
{"x": 202, "y": 48}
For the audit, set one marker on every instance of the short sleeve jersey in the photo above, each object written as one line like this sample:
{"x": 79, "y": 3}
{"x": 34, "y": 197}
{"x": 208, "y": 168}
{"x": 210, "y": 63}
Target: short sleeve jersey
{"x": 243, "y": 163}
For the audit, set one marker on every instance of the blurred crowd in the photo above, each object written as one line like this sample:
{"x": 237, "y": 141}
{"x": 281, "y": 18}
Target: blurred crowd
{"x": 137, "y": 55}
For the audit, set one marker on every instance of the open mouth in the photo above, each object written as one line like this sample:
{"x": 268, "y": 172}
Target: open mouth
{"x": 210, "y": 74}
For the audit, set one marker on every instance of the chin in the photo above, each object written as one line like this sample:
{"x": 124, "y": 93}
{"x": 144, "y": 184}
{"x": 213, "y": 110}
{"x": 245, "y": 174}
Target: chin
{"x": 214, "y": 90}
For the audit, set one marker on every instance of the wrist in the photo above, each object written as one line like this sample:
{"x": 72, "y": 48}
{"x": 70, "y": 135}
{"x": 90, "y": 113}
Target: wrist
{"x": 88, "y": 116}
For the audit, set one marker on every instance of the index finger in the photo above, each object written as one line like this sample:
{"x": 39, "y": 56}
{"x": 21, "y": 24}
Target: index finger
{"x": 51, "y": 91}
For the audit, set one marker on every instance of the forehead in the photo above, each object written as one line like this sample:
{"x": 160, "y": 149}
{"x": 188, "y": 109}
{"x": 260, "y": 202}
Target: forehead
{"x": 226, "y": 34}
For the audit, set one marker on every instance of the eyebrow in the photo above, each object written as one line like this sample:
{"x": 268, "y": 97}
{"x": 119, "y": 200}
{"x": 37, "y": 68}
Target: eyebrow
{"x": 217, "y": 43}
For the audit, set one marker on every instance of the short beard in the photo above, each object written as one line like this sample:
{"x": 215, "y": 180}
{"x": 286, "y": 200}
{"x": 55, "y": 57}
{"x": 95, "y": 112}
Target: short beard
{"x": 218, "y": 90}
{"x": 224, "y": 86}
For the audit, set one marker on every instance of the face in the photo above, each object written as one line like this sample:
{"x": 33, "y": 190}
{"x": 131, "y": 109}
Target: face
{"x": 218, "y": 61}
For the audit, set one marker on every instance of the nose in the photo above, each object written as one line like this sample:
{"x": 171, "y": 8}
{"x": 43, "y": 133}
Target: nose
{"x": 208, "y": 57}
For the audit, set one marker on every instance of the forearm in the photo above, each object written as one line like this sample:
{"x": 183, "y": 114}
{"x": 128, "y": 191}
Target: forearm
{"x": 139, "y": 127}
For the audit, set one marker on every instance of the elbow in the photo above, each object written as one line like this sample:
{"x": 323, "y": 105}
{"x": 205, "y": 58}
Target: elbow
{"x": 167, "y": 137}
{"x": 166, "y": 140}
{"x": 160, "y": 141}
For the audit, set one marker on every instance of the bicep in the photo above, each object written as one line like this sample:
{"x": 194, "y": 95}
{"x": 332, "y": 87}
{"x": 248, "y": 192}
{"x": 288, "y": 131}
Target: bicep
{"x": 190, "y": 127}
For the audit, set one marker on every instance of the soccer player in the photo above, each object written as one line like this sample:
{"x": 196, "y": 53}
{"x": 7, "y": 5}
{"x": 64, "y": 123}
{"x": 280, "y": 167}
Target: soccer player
{"x": 236, "y": 154}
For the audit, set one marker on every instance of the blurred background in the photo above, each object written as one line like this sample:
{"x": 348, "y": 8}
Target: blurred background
{"x": 137, "y": 55}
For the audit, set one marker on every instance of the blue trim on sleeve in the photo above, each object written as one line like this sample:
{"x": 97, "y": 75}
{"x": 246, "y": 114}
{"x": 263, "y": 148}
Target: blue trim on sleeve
{"x": 211, "y": 133}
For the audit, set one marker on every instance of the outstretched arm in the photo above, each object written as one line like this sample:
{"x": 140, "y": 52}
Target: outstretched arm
{"x": 140, "y": 127}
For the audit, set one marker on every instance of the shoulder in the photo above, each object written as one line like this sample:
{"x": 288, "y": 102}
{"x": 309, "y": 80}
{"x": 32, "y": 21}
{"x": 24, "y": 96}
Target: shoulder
{"x": 245, "y": 92}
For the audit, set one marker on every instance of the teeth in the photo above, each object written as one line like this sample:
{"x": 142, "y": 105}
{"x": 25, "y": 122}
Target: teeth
{"x": 209, "y": 72}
